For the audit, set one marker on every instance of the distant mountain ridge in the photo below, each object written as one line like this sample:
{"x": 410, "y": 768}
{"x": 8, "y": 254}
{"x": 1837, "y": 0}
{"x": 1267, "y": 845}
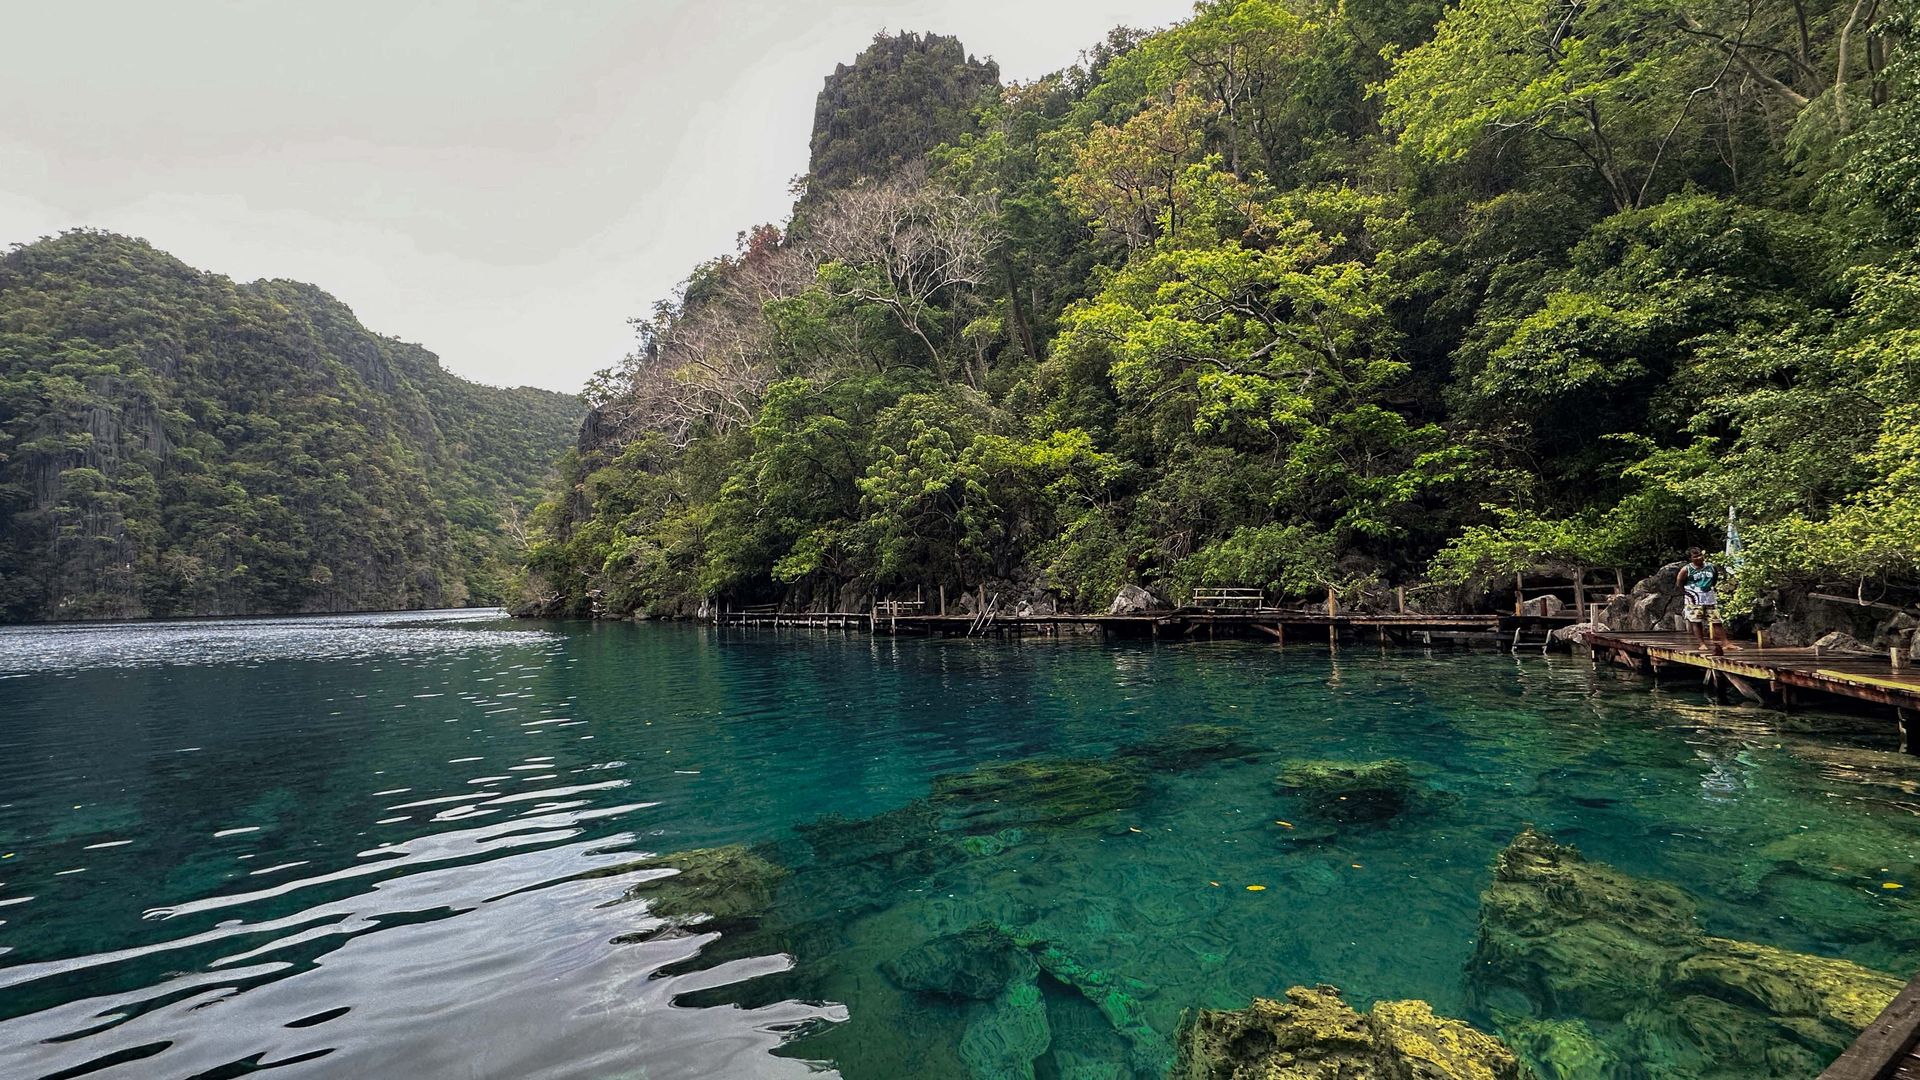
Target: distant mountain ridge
{"x": 173, "y": 443}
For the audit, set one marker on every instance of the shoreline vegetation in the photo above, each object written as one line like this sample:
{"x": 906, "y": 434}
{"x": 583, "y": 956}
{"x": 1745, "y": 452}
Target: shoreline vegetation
{"x": 1298, "y": 299}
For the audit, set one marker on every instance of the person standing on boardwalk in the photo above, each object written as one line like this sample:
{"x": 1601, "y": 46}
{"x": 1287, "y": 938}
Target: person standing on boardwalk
{"x": 1700, "y": 580}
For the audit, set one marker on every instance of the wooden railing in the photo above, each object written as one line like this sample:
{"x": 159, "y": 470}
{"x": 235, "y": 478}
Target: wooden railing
{"x": 1229, "y": 599}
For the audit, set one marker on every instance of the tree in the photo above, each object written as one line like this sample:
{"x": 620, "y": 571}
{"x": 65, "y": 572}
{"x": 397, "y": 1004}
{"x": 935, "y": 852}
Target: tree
{"x": 905, "y": 244}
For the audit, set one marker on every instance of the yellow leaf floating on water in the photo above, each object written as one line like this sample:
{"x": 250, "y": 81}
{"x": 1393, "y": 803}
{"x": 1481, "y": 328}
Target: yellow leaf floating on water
{"x": 1132, "y": 829}
{"x": 1891, "y": 885}
{"x": 1256, "y": 888}
{"x": 1356, "y": 866}
{"x": 1284, "y": 824}
{"x": 1215, "y": 884}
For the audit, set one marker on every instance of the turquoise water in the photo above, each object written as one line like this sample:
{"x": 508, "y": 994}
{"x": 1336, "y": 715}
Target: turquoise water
{"x": 405, "y": 845}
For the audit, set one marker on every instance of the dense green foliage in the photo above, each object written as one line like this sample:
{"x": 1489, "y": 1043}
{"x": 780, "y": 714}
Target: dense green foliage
{"x": 172, "y": 443}
{"x": 1303, "y": 296}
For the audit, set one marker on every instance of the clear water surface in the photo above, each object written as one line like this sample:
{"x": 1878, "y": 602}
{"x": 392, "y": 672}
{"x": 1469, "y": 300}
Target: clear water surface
{"x": 409, "y": 845}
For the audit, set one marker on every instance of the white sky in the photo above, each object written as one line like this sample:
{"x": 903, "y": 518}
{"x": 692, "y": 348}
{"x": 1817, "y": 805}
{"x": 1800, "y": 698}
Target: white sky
{"x": 503, "y": 181}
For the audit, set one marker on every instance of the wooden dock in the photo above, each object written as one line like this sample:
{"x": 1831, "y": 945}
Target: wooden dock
{"x": 1772, "y": 675}
{"x": 1305, "y": 627}
{"x": 1890, "y": 1047}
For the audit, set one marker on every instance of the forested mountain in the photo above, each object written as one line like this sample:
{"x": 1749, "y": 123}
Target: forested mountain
{"x": 172, "y": 443}
{"x": 1298, "y": 295}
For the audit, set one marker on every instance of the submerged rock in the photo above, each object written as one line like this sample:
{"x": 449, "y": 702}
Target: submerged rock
{"x": 721, "y": 884}
{"x": 1035, "y": 791}
{"x": 1349, "y": 791}
{"x": 1008, "y": 1035}
{"x": 1570, "y": 937}
{"x": 1191, "y": 745}
{"x": 975, "y": 964}
{"x": 1561, "y": 1049}
{"x": 997, "y": 973}
{"x": 1314, "y": 1035}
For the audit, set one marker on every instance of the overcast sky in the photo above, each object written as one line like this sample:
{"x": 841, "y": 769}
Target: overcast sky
{"x": 503, "y": 181}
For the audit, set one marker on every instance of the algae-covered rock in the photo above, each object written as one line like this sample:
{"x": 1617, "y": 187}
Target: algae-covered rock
{"x": 1007, "y": 1035}
{"x": 1574, "y": 937}
{"x": 1314, "y": 1035}
{"x": 1035, "y": 791}
{"x": 1188, "y": 746}
{"x": 1349, "y": 790}
{"x": 1571, "y": 937}
{"x": 721, "y": 884}
{"x": 1561, "y": 1049}
{"x": 1118, "y": 1000}
{"x": 1430, "y": 1047}
{"x": 974, "y": 964}
{"x": 1826, "y": 1002}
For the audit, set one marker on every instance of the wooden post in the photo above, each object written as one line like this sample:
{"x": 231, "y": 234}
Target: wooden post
{"x": 1400, "y": 598}
{"x": 1332, "y": 607}
{"x": 943, "y": 598}
{"x": 1519, "y": 593}
{"x": 1579, "y": 589}
{"x": 1619, "y": 581}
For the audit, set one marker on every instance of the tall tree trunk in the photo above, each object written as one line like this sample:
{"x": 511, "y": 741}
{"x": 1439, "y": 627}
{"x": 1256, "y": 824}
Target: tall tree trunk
{"x": 1021, "y": 326}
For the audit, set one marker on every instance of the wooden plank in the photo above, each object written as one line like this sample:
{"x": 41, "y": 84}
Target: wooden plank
{"x": 1858, "y": 677}
{"x": 1886, "y": 1045}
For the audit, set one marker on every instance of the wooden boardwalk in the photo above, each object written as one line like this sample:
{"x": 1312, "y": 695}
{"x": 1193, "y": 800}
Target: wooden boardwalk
{"x": 1774, "y": 675}
{"x": 1187, "y": 623}
{"x": 1888, "y": 1049}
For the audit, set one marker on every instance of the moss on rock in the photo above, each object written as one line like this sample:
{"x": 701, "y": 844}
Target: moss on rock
{"x": 975, "y": 964}
{"x": 1035, "y": 791}
{"x": 1561, "y": 1049}
{"x": 1314, "y": 1035}
{"x": 1577, "y": 938}
{"x": 1187, "y": 746}
{"x": 1349, "y": 791}
{"x": 721, "y": 884}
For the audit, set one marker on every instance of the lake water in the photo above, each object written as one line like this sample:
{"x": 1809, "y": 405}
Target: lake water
{"x": 417, "y": 845}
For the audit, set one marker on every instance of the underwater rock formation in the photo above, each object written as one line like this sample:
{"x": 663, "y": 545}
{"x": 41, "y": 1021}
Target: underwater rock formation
{"x": 1188, "y": 746}
{"x": 1561, "y": 1049}
{"x": 719, "y": 884}
{"x": 1349, "y": 791}
{"x": 974, "y": 964}
{"x": 1566, "y": 937}
{"x": 1037, "y": 791}
{"x": 1003, "y": 966}
{"x": 1314, "y": 1035}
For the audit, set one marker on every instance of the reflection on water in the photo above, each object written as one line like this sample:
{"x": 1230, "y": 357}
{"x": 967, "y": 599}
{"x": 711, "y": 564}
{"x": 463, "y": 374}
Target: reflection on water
{"x": 427, "y": 845}
{"x": 26, "y": 649}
